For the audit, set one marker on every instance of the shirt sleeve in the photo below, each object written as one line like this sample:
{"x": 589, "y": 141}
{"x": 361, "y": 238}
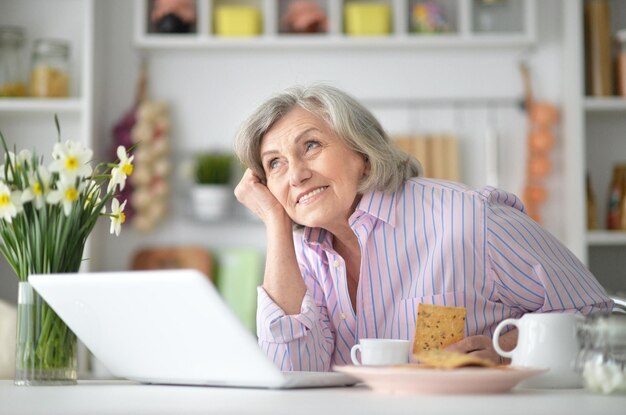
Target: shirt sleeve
{"x": 303, "y": 341}
{"x": 532, "y": 270}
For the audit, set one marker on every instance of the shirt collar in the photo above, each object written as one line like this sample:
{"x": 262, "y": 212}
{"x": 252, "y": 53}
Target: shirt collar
{"x": 380, "y": 205}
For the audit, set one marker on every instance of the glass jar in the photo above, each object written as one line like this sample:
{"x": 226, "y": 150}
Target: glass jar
{"x": 49, "y": 73}
{"x": 602, "y": 356}
{"x": 11, "y": 62}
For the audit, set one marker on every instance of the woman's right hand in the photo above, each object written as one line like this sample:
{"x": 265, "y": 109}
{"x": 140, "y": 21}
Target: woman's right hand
{"x": 254, "y": 194}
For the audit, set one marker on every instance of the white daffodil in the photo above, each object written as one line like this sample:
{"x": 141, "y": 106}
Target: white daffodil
{"x": 93, "y": 196}
{"x": 18, "y": 163}
{"x": 10, "y": 204}
{"x": 37, "y": 189}
{"x": 66, "y": 193}
{"x": 123, "y": 169}
{"x": 71, "y": 160}
{"x": 117, "y": 216}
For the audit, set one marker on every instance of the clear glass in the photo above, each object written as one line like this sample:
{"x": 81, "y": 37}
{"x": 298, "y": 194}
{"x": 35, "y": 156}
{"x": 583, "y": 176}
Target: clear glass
{"x": 602, "y": 356}
{"x": 12, "y": 82}
{"x": 46, "y": 350}
{"x": 498, "y": 16}
{"x": 49, "y": 73}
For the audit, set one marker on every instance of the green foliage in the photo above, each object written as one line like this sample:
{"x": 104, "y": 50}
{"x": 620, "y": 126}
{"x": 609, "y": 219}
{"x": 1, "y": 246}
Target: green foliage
{"x": 213, "y": 168}
{"x": 46, "y": 238}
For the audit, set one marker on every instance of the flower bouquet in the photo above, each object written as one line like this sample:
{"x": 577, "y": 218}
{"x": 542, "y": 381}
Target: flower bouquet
{"x": 46, "y": 216}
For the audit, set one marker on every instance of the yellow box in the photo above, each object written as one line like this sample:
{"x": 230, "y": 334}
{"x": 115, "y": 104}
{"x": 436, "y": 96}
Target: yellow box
{"x": 237, "y": 21}
{"x": 367, "y": 19}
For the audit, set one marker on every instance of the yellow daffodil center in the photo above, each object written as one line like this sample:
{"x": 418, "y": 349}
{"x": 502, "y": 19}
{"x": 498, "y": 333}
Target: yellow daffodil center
{"x": 121, "y": 217}
{"x": 127, "y": 169}
{"x": 71, "y": 163}
{"x": 5, "y": 200}
{"x": 71, "y": 195}
{"x": 37, "y": 189}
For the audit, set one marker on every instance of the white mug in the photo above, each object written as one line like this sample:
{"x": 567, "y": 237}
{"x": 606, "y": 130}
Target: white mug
{"x": 545, "y": 340}
{"x": 380, "y": 352}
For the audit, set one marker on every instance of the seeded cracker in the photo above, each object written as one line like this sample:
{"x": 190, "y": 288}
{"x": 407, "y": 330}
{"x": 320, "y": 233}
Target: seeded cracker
{"x": 438, "y": 327}
{"x": 442, "y": 359}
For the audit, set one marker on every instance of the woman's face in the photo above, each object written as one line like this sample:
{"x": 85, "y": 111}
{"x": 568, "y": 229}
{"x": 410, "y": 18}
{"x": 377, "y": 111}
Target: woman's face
{"x": 310, "y": 170}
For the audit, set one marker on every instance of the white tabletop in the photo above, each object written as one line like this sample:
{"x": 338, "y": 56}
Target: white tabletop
{"x": 120, "y": 397}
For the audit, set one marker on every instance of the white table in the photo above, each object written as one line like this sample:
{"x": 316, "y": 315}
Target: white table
{"x": 121, "y": 397}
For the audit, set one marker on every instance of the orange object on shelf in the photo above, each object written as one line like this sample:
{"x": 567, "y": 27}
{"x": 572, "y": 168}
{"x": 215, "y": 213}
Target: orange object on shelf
{"x": 543, "y": 114}
{"x": 174, "y": 257}
{"x": 539, "y": 166}
{"x": 540, "y": 140}
{"x": 542, "y": 118}
{"x": 535, "y": 194}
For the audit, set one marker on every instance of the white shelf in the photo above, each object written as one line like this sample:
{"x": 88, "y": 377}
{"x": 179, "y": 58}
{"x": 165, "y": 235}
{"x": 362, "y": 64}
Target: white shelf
{"x": 460, "y": 11}
{"x": 330, "y": 41}
{"x": 604, "y": 238}
{"x": 605, "y": 104}
{"x": 30, "y": 105}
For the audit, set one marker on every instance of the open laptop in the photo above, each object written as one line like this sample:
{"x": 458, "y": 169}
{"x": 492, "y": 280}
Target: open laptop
{"x": 168, "y": 327}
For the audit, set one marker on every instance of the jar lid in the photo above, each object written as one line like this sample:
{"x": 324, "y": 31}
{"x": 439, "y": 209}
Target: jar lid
{"x": 11, "y": 35}
{"x": 605, "y": 329}
{"x": 51, "y": 47}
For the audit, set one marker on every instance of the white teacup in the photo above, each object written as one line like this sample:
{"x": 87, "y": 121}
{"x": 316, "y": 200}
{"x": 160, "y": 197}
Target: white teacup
{"x": 545, "y": 340}
{"x": 380, "y": 352}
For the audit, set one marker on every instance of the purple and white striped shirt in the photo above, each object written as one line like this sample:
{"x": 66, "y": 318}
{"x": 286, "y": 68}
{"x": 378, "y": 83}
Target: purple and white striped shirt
{"x": 433, "y": 242}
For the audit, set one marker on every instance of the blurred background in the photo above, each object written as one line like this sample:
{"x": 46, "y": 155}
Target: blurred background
{"x": 525, "y": 95}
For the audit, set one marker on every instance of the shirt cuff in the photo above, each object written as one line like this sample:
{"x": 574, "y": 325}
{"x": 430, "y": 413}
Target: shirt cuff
{"x": 273, "y": 325}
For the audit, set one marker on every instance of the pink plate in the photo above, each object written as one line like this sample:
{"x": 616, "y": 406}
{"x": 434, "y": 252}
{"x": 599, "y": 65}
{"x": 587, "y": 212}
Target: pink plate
{"x": 410, "y": 381}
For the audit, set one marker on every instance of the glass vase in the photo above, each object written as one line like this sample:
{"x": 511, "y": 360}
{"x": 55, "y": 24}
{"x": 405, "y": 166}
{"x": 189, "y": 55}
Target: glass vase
{"x": 46, "y": 349}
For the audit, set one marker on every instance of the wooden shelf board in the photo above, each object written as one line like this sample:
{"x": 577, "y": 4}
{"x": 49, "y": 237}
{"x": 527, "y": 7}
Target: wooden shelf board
{"x": 605, "y": 104}
{"x": 599, "y": 238}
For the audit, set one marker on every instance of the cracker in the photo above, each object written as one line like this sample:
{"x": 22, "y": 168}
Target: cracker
{"x": 443, "y": 359}
{"x": 437, "y": 327}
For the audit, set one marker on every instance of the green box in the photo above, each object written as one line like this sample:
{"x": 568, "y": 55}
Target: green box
{"x": 238, "y": 274}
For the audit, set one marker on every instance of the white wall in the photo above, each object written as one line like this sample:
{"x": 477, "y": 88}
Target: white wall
{"x": 210, "y": 91}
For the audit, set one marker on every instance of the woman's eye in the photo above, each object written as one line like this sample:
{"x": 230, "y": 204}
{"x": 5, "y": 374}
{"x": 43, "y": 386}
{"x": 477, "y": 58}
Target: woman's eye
{"x": 311, "y": 145}
{"x": 273, "y": 164}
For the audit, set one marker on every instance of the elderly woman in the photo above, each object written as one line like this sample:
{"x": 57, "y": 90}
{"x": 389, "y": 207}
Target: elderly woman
{"x": 356, "y": 239}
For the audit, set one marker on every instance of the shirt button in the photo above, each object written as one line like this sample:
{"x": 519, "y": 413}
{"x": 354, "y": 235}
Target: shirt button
{"x": 336, "y": 264}
{"x": 342, "y": 316}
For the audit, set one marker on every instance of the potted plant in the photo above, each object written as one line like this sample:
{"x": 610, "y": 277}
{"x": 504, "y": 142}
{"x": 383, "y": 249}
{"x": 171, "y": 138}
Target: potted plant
{"x": 212, "y": 193}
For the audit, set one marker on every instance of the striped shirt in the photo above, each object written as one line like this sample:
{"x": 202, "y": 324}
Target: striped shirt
{"x": 432, "y": 242}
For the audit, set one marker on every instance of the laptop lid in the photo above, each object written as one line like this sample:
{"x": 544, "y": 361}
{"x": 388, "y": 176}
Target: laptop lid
{"x": 166, "y": 326}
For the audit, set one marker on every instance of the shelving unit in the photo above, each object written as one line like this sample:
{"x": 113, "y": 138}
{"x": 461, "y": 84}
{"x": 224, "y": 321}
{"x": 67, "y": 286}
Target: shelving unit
{"x": 75, "y": 25}
{"x": 594, "y": 127}
{"x": 29, "y": 122}
{"x": 460, "y": 13}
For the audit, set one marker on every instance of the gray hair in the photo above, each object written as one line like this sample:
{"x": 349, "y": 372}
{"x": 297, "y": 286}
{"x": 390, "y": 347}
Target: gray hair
{"x": 351, "y": 121}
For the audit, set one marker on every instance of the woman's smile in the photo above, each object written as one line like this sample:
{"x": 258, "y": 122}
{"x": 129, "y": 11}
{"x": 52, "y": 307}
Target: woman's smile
{"x": 310, "y": 197}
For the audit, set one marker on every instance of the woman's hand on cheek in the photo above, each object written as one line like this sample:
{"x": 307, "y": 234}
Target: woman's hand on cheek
{"x": 254, "y": 194}
{"x": 479, "y": 346}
